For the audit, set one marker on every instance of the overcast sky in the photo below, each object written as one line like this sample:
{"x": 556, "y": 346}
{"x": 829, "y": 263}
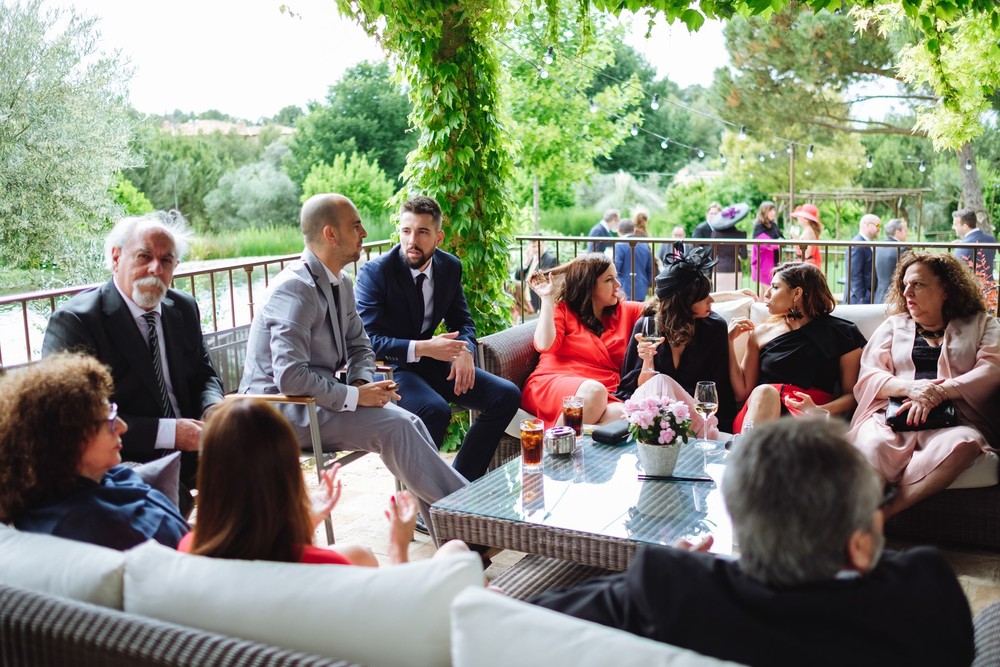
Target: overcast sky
{"x": 247, "y": 59}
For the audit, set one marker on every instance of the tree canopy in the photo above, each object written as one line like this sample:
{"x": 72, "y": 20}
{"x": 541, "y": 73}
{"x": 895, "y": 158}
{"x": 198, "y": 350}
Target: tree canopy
{"x": 64, "y": 133}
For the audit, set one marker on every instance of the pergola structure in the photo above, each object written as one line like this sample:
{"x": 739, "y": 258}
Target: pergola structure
{"x": 893, "y": 197}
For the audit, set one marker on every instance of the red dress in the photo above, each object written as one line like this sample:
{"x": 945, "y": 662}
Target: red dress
{"x": 310, "y": 555}
{"x": 576, "y": 355}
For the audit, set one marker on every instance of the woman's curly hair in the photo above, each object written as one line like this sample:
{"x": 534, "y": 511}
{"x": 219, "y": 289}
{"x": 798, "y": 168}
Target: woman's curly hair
{"x": 817, "y": 299}
{"x": 577, "y": 288}
{"x": 48, "y": 412}
{"x": 965, "y": 294}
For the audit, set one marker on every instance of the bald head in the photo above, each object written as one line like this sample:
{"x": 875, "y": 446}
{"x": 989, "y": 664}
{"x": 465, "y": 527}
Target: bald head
{"x": 869, "y": 225}
{"x": 322, "y": 210}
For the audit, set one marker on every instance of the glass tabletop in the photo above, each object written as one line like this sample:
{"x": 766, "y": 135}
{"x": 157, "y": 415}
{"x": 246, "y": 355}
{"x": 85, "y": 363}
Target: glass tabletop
{"x": 598, "y": 490}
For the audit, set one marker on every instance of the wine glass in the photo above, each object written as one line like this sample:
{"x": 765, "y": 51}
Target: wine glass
{"x": 650, "y": 332}
{"x": 706, "y": 403}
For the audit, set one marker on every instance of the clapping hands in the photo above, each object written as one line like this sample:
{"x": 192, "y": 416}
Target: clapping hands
{"x": 324, "y": 500}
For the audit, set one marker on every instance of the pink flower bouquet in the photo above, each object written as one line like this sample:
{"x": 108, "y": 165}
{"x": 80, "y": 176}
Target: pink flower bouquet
{"x": 658, "y": 420}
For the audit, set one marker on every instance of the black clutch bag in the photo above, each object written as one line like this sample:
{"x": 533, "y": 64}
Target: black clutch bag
{"x": 942, "y": 416}
{"x": 611, "y": 434}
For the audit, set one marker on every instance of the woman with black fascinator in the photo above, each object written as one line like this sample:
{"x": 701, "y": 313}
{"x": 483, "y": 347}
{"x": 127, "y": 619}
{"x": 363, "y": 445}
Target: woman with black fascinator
{"x": 690, "y": 342}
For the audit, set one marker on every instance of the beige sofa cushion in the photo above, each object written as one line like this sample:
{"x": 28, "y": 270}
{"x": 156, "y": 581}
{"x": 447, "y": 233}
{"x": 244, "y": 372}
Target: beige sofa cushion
{"x": 61, "y": 567}
{"x": 378, "y": 617}
{"x": 490, "y": 630}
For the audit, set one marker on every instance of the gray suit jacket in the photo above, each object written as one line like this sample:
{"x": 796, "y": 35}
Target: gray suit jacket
{"x": 298, "y": 340}
{"x": 885, "y": 266}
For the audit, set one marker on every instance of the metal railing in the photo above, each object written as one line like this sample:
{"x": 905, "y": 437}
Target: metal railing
{"x": 225, "y": 289}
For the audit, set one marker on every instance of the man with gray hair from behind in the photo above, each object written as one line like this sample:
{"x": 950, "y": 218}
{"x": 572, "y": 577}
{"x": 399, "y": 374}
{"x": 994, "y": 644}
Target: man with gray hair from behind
{"x": 811, "y": 585}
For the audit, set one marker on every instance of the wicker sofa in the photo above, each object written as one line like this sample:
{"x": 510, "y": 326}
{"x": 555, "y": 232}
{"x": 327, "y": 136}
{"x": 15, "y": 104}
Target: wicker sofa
{"x": 968, "y": 516}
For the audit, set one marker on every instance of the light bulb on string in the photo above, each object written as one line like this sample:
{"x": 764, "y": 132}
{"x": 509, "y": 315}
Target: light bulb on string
{"x": 549, "y": 55}
{"x": 772, "y": 155}
{"x": 788, "y": 149}
{"x": 807, "y": 172}
{"x": 701, "y": 154}
{"x": 870, "y": 163}
{"x": 593, "y": 107}
{"x": 743, "y": 133}
{"x": 543, "y": 73}
{"x": 810, "y": 152}
{"x": 968, "y": 164}
{"x": 722, "y": 158}
{"x": 742, "y": 160}
{"x": 760, "y": 157}
{"x": 655, "y": 104}
{"x": 922, "y": 167}
{"x": 634, "y": 130}
{"x": 664, "y": 144}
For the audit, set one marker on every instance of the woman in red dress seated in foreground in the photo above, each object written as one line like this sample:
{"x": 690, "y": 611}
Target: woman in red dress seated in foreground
{"x": 252, "y": 500}
{"x": 584, "y": 327}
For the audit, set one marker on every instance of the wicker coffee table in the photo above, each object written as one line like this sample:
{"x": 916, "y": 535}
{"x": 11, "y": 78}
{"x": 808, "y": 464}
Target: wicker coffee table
{"x": 590, "y": 508}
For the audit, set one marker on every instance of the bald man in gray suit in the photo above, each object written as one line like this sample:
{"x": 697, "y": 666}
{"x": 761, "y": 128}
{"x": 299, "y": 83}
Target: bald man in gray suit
{"x": 308, "y": 328}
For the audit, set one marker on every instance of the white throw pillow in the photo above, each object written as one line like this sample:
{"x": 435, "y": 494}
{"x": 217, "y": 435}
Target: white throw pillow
{"x": 867, "y": 317}
{"x": 379, "y": 617}
{"x": 490, "y": 630}
{"x": 733, "y": 308}
{"x": 982, "y": 473}
{"x": 61, "y": 567}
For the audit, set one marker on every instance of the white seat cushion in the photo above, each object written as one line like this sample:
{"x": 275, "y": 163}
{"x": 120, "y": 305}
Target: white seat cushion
{"x": 490, "y": 630}
{"x": 378, "y": 617}
{"x": 982, "y": 473}
{"x": 61, "y": 567}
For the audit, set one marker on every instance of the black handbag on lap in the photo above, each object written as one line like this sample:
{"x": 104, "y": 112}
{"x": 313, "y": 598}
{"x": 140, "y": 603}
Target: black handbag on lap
{"x": 942, "y": 416}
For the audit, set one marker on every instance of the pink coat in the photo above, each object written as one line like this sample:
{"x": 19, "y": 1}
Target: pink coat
{"x": 970, "y": 358}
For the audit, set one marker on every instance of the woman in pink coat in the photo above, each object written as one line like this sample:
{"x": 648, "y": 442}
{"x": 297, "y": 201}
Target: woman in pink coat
{"x": 938, "y": 345}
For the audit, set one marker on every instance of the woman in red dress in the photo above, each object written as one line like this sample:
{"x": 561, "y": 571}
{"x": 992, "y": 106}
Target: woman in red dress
{"x": 584, "y": 327}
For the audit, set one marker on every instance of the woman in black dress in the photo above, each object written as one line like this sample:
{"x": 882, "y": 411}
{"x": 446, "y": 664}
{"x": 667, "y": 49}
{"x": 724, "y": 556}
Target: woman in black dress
{"x": 803, "y": 357}
{"x": 690, "y": 345}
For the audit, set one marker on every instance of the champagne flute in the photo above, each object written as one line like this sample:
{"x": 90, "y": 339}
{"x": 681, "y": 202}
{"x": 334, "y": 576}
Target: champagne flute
{"x": 706, "y": 403}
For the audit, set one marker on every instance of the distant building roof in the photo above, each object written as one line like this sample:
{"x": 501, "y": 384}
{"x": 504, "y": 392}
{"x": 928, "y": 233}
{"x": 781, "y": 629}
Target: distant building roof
{"x": 196, "y": 127}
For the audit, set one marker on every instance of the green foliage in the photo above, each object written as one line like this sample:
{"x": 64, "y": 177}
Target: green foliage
{"x": 129, "y": 198}
{"x": 64, "y": 130}
{"x": 180, "y": 171}
{"x": 363, "y": 181}
{"x": 448, "y": 55}
{"x": 255, "y": 195}
{"x": 287, "y": 115}
{"x": 643, "y": 153}
{"x": 556, "y": 135}
{"x": 364, "y": 113}
{"x": 251, "y": 242}
{"x": 457, "y": 429}
{"x": 568, "y": 221}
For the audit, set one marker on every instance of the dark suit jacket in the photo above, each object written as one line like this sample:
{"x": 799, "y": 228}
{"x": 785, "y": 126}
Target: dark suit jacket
{"x": 98, "y": 322}
{"x": 387, "y": 302}
{"x": 598, "y": 230}
{"x": 885, "y": 265}
{"x": 643, "y": 269}
{"x": 859, "y": 284}
{"x": 909, "y": 610}
{"x": 984, "y": 259}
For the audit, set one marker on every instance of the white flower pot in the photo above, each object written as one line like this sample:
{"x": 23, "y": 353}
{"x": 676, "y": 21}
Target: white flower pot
{"x": 658, "y": 460}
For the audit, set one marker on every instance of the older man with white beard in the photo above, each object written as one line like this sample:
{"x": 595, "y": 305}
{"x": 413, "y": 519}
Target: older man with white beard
{"x": 150, "y": 337}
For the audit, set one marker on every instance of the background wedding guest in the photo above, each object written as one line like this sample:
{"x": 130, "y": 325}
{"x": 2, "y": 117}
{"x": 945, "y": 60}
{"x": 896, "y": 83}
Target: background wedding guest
{"x": 966, "y": 226}
{"x": 858, "y": 287}
{"x": 812, "y": 229}
{"x": 723, "y": 226}
{"x": 886, "y": 258}
{"x": 604, "y": 228}
{"x": 641, "y": 267}
{"x": 763, "y": 258}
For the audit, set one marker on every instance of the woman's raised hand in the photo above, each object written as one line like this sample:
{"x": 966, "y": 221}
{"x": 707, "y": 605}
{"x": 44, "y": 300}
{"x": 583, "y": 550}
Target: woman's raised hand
{"x": 323, "y": 501}
{"x": 647, "y": 351}
{"x": 798, "y": 402}
{"x": 402, "y": 516}
{"x": 541, "y": 284}
{"x": 739, "y": 326}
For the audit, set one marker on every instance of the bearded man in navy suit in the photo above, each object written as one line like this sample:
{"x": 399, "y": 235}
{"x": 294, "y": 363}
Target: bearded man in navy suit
{"x": 402, "y": 297}
{"x": 966, "y": 226}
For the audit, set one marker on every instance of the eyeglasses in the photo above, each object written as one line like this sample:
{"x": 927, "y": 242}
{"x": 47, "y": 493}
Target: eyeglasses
{"x": 112, "y": 419}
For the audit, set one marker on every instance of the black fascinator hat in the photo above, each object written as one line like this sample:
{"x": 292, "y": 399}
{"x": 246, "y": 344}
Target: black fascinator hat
{"x": 681, "y": 270}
